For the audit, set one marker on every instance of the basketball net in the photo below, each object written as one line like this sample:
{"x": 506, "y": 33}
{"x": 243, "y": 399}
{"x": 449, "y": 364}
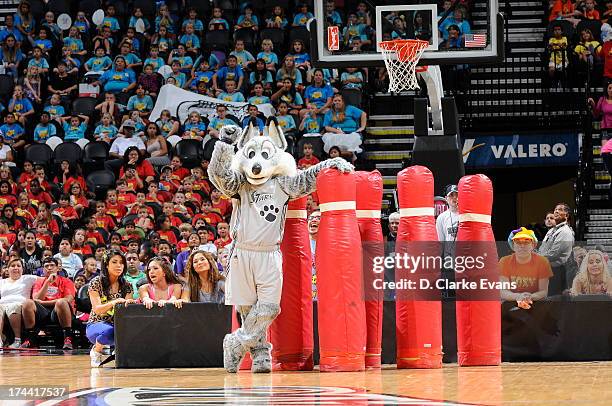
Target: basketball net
{"x": 401, "y": 58}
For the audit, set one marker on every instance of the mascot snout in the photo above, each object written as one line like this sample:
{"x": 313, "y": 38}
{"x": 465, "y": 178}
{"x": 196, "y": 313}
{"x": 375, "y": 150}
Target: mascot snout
{"x": 256, "y": 169}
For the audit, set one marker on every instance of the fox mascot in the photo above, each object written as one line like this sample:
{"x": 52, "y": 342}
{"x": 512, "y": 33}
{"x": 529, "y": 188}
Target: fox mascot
{"x": 263, "y": 178}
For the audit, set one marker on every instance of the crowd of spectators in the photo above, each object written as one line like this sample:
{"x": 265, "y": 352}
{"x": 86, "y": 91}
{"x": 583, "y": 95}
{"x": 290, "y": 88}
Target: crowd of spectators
{"x": 57, "y": 232}
{"x": 578, "y": 42}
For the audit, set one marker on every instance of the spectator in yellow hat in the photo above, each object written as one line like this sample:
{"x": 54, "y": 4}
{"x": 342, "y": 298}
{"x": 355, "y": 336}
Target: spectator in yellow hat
{"x": 527, "y": 271}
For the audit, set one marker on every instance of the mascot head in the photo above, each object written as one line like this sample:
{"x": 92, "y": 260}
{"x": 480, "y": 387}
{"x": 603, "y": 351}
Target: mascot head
{"x": 261, "y": 157}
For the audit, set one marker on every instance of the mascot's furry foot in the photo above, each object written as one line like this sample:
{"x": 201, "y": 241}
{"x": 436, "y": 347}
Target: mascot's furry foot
{"x": 262, "y": 359}
{"x": 233, "y": 353}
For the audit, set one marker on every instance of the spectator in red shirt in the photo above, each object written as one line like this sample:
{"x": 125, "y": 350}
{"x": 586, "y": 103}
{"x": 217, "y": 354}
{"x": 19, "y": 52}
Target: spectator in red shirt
{"x": 154, "y": 196}
{"x": 168, "y": 210}
{"x": 37, "y": 195}
{"x": 308, "y": 159}
{"x": 14, "y": 224}
{"x": 7, "y": 237}
{"x": 92, "y": 235}
{"x": 103, "y": 220}
{"x": 224, "y": 235}
{"x": 43, "y": 236}
{"x": 80, "y": 245}
{"x": 190, "y": 194}
{"x": 200, "y": 183}
{"x": 39, "y": 172}
{"x": 112, "y": 205}
{"x": 6, "y": 195}
{"x": 77, "y": 197}
{"x": 164, "y": 228}
{"x": 131, "y": 178}
{"x": 65, "y": 211}
{"x": 125, "y": 197}
{"x": 46, "y": 217}
{"x": 166, "y": 183}
{"x": 69, "y": 175}
{"x": 178, "y": 172}
{"x": 25, "y": 210}
{"x": 27, "y": 175}
{"x": 185, "y": 231}
{"x": 5, "y": 174}
{"x": 53, "y": 301}
{"x": 132, "y": 156}
{"x": 223, "y": 205}
{"x": 209, "y": 215}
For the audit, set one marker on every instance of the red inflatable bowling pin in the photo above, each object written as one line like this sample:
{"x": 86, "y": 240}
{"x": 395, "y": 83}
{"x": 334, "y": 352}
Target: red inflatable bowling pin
{"x": 478, "y": 310}
{"x": 341, "y": 309}
{"x": 291, "y": 332}
{"x": 369, "y": 201}
{"x": 418, "y": 313}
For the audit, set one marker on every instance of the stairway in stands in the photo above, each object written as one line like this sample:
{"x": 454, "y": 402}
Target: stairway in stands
{"x": 7, "y": 7}
{"x": 598, "y": 230}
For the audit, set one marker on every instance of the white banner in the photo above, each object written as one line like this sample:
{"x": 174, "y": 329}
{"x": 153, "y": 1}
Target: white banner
{"x": 181, "y": 102}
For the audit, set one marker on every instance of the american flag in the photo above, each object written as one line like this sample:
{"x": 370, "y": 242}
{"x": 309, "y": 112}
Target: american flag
{"x": 475, "y": 40}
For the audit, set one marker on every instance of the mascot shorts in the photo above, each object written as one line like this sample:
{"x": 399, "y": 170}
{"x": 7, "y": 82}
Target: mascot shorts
{"x": 254, "y": 276}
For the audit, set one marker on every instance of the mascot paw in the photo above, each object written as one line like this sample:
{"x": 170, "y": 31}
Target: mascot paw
{"x": 342, "y": 165}
{"x": 233, "y": 353}
{"x": 262, "y": 360}
{"x": 230, "y": 133}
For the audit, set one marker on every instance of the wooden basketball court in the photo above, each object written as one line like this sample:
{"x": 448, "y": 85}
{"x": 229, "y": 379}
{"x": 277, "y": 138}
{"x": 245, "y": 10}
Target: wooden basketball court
{"x": 510, "y": 383}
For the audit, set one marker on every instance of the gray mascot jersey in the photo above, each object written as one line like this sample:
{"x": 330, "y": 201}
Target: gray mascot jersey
{"x": 261, "y": 216}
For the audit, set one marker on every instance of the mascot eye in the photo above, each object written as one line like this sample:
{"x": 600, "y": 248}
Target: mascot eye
{"x": 251, "y": 154}
{"x": 264, "y": 155}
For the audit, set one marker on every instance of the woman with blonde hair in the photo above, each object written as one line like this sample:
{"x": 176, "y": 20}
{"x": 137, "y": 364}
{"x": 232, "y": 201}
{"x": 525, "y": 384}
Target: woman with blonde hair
{"x": 204, "y": 282}
{"x": 594, "y": 277}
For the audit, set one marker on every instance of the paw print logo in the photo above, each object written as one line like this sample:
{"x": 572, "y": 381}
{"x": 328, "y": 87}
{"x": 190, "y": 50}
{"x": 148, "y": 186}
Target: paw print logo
{"x": 269, "y": 213}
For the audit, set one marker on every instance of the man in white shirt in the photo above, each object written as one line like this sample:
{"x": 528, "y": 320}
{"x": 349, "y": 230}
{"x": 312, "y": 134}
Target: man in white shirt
{"x": 124, "y": 140}
{"x": 447, "y": 225}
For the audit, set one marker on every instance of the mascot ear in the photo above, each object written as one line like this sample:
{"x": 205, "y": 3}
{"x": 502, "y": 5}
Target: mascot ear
{"x": 276, "y": 133}
{"x": 247, "y": 134}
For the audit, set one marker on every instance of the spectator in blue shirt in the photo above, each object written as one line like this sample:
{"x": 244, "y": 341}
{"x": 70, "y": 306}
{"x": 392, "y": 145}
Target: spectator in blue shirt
{"x": 319, "y": 94}
{"x": 98, "y": 63}
{"x": 20, "y": 105}
{"x": 179, "y": 77}
{"x": 284, "y": 119}
{"x": 331, "y": 14}
{"x": 344, "y": 119}
{"x": 132, "y": 60}
{"x": 44, "y": 130}
{"x": 137, "y": 15}
{"x": 217, "y": 22}
{"x": 289, "y": 71}
{"x": 268, "y": 55}
{"x": 74, "y": 43}
{"x": 24, "y": 21}
{"x": 231, "y": 71}
{"x": 219, "y": 121}
{"x": 303, "y": 16}
{"x": 195, "y": 127}
{"x": 106, "y": 131}
{"x": 193, "y": 19}
{"x": 262, "y": 75}
{"x": 203, "y": 74}
{"x": 277, "y": 19}
{"x": 258, "y": 96}
{"x": 164, "y": 19}
{"x": 247, "y": 19}
{"x": 190, "y": 40}
{"x": 119, "y": 78}
{"x": 288, "y": 94}
{"x": 11, "y": 55}
{"x": 253, "y": 116}
{"x": 110, "y": 20}
{"x": 39, "y": 61}
{"x": 12, "y": 132}
{"x": 231, "y": 94}
{"x": 154, "y": 59}
{"x": 458, "y": 19}
{"x": 10, "y": 29}
{"x": 180, "y": 55}
{"x": 355, "y": 29}
{"x": 43, "y": 42}
{"x": 352, "y": 79}
{"x": 140, "y": 102}
{"x": 55, "y": 108}
{"x": 300, "y": 56}
{"x": 311, "y": 123}
{"x": 74, "y": 129}
{"x": 245, "y": 58}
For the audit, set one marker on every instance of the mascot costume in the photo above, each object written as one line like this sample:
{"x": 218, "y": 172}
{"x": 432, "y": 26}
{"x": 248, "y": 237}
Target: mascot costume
{"x": 263, "y": 178}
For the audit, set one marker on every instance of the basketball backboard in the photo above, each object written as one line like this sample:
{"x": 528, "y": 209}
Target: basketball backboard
{"x": 363, "y": 24}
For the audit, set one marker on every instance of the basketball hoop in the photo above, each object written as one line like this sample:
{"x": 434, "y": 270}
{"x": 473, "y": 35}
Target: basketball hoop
{"x": 401, "y": 57}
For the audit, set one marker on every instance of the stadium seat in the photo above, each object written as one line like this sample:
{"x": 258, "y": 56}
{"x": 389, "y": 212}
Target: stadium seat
{"x": 276, "y": 35}
{"x": 202, "y": 7}
{"x": 218, "y": 40}
{"x": 99, "y": 182}
{"x": 190, "y": 152}
{"x": 94, "y": 155}
{"x": 53, "y": 142}
{"x": 89, "y": 7}
{"x": 147, "y": 7}
{"x": 352, "y": 97}
{"x": 82, "y": 302}
{"x": 84, "y": 105}
{"x": 67, "y": 151}
{"x": 300, "y": 33}
{"x": 38, "y": 8}
{"x": 248, "y": 36}
{"x": 173, "y": 140}
{"x": 58, "y": 7}
{"x": 6, "y": 87}
{"x": 208, "y": 148}
{"x": 39, "y": 154}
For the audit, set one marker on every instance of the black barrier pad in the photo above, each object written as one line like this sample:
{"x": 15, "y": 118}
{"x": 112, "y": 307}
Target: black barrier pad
{"x": 171, "y": 338}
